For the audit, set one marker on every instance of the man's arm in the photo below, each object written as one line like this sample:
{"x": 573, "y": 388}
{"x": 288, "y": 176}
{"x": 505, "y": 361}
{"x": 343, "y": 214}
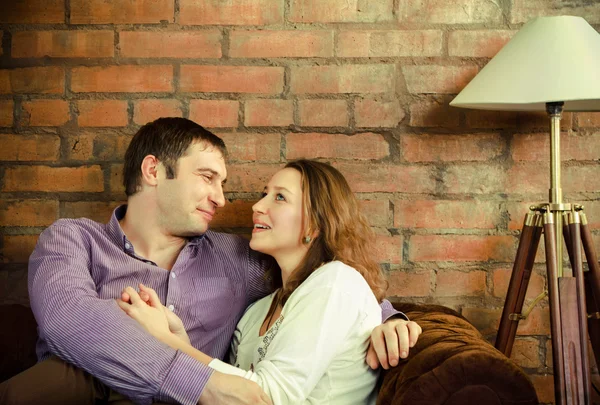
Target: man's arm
{"x": 94, "y": 334}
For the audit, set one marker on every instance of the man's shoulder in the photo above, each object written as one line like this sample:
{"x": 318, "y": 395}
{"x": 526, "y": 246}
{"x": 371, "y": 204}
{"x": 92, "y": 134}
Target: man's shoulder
{"x": 82, "y": 224}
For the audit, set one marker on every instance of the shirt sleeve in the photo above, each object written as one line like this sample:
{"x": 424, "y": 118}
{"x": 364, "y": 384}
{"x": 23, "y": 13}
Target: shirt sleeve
{"x": 258, "y": 284}
{"x": 389, "y": 312}
{"x": 309, "y": 338}
{"x": 94, "y": 334}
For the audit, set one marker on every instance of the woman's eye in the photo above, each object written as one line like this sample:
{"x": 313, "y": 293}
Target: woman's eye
{"x": 279, "y": 197}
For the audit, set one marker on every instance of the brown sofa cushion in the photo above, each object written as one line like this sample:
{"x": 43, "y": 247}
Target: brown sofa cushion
{"x": 453, "y": 364}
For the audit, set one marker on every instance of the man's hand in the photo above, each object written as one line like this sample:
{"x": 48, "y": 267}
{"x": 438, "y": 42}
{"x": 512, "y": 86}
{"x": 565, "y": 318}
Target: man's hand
{"x": 224, "y": 389}
{"x": 391, "y": 341}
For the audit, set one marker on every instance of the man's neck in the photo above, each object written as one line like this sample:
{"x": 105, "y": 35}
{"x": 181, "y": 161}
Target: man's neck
{"x": 140, "y": 226}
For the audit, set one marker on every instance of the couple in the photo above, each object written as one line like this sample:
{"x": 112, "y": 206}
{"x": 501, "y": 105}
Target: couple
{"x": 304, "y": 337}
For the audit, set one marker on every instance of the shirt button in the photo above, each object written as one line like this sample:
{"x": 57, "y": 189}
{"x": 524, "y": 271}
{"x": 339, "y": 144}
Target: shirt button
{"x": 128, "y": 246}
{"x": 171, "y": 308}
{"x": 173, "y": 275}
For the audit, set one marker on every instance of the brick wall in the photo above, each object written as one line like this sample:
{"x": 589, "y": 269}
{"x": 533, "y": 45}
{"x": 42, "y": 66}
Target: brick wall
{"x": 362, "y": 84}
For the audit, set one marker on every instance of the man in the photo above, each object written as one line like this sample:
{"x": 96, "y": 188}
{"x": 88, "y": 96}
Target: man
{"x": 89, "y": 349}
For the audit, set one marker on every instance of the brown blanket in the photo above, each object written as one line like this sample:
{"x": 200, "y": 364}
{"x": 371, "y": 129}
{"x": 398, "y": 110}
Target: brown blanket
{"x": 453, "y": 364}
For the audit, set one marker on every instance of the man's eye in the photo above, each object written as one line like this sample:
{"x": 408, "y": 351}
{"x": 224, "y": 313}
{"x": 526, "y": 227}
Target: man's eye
{"x": 279, "y": 197}
{"x": 208, "y": 178}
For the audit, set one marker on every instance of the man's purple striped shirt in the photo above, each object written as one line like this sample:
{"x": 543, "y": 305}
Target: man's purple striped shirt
{"x": 78, "y": 269}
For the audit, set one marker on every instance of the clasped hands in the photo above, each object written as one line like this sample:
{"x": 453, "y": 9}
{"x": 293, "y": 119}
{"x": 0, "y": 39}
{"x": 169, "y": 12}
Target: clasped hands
{"x": 390, "y": 341}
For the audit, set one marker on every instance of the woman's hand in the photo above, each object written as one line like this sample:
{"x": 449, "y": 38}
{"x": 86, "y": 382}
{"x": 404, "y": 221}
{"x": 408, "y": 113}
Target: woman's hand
{"x": 149, "y": 296}
{"x": 151, "y": 315}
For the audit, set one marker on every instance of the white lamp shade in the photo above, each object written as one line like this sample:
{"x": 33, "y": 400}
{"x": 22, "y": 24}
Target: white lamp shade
{"x": 549, "y": 59}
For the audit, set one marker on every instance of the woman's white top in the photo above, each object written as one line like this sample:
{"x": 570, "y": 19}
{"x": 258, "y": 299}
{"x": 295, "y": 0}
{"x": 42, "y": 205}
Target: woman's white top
{"x": 315, "y": 352}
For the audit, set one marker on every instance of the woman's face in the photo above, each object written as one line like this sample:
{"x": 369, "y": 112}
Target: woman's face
{"x": 278, "y": 216}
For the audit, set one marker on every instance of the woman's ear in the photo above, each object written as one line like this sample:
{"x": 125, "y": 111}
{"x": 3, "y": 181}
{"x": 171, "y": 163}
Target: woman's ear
{"x": 150, "y": 171}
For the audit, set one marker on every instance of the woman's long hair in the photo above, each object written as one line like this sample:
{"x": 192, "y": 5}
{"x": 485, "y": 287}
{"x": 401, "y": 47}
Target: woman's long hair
{"x": 331, "y": 212}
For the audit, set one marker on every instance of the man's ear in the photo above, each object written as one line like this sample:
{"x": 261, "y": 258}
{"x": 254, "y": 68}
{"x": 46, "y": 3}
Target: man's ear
{"x": 150, "y": 171}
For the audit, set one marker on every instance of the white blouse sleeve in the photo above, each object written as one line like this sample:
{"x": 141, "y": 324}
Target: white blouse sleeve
{"x": 311, "y": 334}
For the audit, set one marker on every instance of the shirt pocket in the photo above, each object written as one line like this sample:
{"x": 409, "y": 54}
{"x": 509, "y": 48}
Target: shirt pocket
{"x": 213, "y": 302}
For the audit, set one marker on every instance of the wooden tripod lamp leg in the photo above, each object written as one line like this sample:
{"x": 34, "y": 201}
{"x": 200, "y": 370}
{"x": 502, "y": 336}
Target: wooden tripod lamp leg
{"x": 592, "y": 284}
{"x": 519, "y": 280}
{"x": 555, "y": 319}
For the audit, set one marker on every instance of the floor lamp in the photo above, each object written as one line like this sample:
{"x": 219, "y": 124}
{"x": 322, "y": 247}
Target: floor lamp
{"x": 552, "y": 64}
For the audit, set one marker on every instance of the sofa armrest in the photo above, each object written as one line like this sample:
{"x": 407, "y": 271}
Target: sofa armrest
{"x": 453, "y": 364}
{"x": 18, "y": 336}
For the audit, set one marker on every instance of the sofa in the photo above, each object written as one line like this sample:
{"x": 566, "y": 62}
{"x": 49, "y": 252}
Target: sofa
{"x": 452, "y": 364}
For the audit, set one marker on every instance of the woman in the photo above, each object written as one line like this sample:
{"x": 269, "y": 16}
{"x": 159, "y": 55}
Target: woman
{"x": 306, "y": 342}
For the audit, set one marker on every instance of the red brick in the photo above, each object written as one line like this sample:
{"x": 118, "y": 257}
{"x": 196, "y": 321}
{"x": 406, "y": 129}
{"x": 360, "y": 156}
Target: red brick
{"x": 388, "y": 249}
{"x": 145, "y": 111}
{"x": 376, "y": 211}
{"x": 536, "y": 147}
{"x": 581, "y": 179}
{"x": 6, "y": 113}
{"x": 475, "y": 179}
{"x": 437, "y": 78}
{"x": 378, "y": 113}
{"x": 433, "y": 114}
{"x": 588, "y": 120}
{"x": 32, "y": 12}
{"x": 45, "y": 80}
{"x": 99, "y": 211}
{"x": 368, "y": 44}
{"x": 232, "y": 79}
{"x": 528, "y": 178}
{"x": 485, "y": 320}
{"x": 249, "y": 177}
{"x": 276, "y": 44}
{"x": 28, "y": 212}
{"x": 18, "y": 248}
{"x": 448, "y": 148}
{"x": 236, "y": 214}
{"x": 461, "y": 248}
{"x": 170, "y": 44}
{"x": 323, "y": 113}
{"x": 102, "y": 113}
{"x": 29, "y": 147}
{"x": 63, "y": 44}
{"x": 268, "y": 113}
{"x": 215, "y": 113}
{"x": 116, "y": 180}
{"x": 454, "y": 12}
{"x": 537, "y": 323}
{"x": 544, "y": 387}
{"x": 510, "y": 119}
{"x": 404, "y": 284}
{"x": 122, "y": 79}
{"x": 53, "y": 179}
{"x": 42, "y": 113}
{"x": 252, "y": 147}
{"x": 526, "y": 353}
{"x": 442, "y": 214}
{"x": 359, "y": 146}
{"x": 501, "y": 279}
{"x": 343, "y": 79}
{"x": 478, "y": 44}
{"x": 451, "y": 283}
{"x": 90, "y": 146}
{"x": 217, "y": 12}
{"x": 122, "y": 11}
{"x": 525, "y": 10}
{"x": 365, "y": 178}
{"x": 311, "y": 11}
